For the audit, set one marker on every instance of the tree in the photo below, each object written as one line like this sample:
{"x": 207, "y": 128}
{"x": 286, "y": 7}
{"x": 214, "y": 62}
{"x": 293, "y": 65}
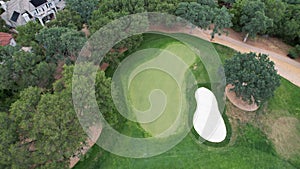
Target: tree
{"x": 21, "y": 69}
{"x": 294, "y": 52}
{"x": 61, "y": 43}
{"x": 26, "y": 33}
{"x": 236, "y": 10}
{"x": 211, "y": 3}
{"x": 292, "y": 1}
{"x": 57, "y": 131}
{"x": 290, "y": 29}
{"x": 275, "y": 7}
{"x": 253, "y": 76}
{"x": 84, "y": 8}
{"x": 197, "y": 14}
{"x": 8, "y": 136}
{"x": 222, "y": 19}
{"x": 45, "y": 129}
{"x": 251, "y": 18}
{"x": 3, "y": 26}
{"x": 72, "y": 42}
{"x": 205, "y": 14}
{"x": 22, "y": 113}
{"x": 66, "y": 18}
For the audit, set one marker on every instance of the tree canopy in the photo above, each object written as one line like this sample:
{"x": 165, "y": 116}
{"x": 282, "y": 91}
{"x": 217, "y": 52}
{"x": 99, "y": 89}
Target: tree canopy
{"x": 21, "y": 69}
{"x": 84, "y": 8}
{"x": 253, "y": 19}
{"x": 26, "y": 33}
{"x": 67, "y": 18}
{"x": 205, "y": 13}
{"x": 42, "y": 130}
{"x": 253, "y": 76}
{"x": 61, "y": 43}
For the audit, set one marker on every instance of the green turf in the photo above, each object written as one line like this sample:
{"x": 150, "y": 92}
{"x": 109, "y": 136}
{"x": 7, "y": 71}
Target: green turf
{"x": 252, "y": 149}
{"x": 286, "y": 96}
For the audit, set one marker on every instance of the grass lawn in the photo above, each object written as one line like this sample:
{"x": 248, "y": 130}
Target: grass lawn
{"x": 252, "y": 148}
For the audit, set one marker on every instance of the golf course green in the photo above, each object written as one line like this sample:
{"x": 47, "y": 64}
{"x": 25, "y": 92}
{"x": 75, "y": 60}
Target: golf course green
{"x": 149, "y": 88}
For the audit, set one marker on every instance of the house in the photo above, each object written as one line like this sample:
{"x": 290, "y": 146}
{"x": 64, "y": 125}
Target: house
{"x": 7, "y": 39}
{"x": 19, "y": 12}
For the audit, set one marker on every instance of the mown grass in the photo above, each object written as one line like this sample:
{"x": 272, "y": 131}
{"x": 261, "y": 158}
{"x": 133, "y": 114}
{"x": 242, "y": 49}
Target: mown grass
{"x": 252, "y": 149}
{"x": 286, "y": 96}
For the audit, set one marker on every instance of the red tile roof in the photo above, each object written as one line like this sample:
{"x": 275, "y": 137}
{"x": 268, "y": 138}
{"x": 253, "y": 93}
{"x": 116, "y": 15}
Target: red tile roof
{"x": 5, "y": 38}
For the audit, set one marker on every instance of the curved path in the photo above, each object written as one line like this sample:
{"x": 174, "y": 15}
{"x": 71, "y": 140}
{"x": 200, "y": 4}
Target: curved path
{"x": 286, "y": 67}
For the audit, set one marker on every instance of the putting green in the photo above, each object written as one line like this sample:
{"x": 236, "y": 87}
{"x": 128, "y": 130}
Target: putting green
{"x": 154, "y": 85}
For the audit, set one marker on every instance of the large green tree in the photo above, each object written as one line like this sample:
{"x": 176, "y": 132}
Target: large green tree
{"x": 203, "y": 14}
{"x": 47, "y": 130}
{"x": 42, "y": 130}
{"x": 60, "y": 43}
{"x": 291, "y": 24}
{"x": 21, "y": 69}
{"x": 67, "y": 18}
{"x": 275, "y": 7}
{"x": 253, "y": 76}
{"x": 253, "y": 19}
{"x": 26, "y": 33}
{"x": 8, "y": 137}
{"x": 250, "y": 17}
{"x": 84, "y": 8}
{"x": 22, "y": 112}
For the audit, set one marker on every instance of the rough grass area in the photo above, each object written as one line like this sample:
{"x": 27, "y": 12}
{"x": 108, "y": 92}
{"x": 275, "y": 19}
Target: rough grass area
{"x": 253, "y": 145}
{"x": 281, "y": 121}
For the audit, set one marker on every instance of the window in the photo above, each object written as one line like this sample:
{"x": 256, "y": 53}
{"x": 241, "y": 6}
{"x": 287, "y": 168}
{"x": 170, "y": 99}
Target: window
{"x": 37, "y": 3}
{"x": 15, "y": 16}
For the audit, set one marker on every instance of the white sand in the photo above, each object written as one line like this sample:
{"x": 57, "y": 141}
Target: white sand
{"x": 207, "y": 120}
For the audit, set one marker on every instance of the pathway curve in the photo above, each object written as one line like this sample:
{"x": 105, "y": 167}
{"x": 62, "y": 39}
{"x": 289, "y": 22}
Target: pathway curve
{"x": 286, "y": 67}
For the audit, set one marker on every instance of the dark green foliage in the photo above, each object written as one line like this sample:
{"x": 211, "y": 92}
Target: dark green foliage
{"x": 21, "y": 69}
{"x": 66, "y": 18}
{"x": 84, "y": 8}
{"x": 110, "y": 10}
{"x": 197, "y": 14}
{"x": 44, "y": 131}
{"x": 252, "y": 75}
{"x": 26, "y": 33}
{"x": 253, "y": 19}
{"x": 292, "y": 1}
{"x": 204, "y": 14}
{"x": 294, "y": 52}
{"x": 275, "y": 7}
{"x": 274, "y": 17}
{"x": 211, "y": 3}
{"x": 3, "y": 26}
{"x": 229, "y": 2}
{"x": 105, "y": 101}
{"x": 50, "y": 39}
{"x": 8, "y": 136}
{"x": 61, "y": 44}
{"x": 291, "y": 24}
